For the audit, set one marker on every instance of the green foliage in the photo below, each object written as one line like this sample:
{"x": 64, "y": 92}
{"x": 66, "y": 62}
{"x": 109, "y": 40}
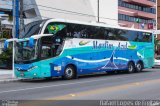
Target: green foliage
{"x": 10, "y": 18}
{"x": 6, "y": 56}
{"x": 1, "y": 36}
{"x": 6, "y": 34}
{"x": 157, "y": 42}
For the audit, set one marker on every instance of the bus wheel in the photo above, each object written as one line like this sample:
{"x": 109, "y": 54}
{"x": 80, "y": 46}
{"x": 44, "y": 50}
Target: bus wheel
{"x": 131, "y": 67}
{"x": 111, "y": 72}
{"x": 139, "y": 67}
{"x": 48, "y": 78}
{"x": 69, "y": 72}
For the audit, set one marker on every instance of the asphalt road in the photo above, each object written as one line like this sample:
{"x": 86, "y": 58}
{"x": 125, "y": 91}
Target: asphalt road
{"x": 136, "y": 86}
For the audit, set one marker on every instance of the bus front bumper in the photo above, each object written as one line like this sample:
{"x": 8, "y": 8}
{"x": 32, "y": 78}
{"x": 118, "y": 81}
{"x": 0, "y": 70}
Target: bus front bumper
{"x": 32, "y": 74}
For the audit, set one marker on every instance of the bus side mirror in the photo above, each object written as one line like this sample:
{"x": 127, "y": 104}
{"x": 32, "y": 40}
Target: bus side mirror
{"x": 6, "y": 43}
{"x": 31, "y": 42}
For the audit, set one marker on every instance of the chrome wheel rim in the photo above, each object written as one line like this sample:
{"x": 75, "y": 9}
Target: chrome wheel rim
{"x": 130, "y": 68}
{"x": 139, "y": 67}
{"x": 69, "y": 72}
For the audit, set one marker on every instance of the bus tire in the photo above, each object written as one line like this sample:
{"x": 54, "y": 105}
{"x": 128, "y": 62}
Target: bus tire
{"x": 139, "y": 67}
{"x": 48, "y": 78}
{"x": 69, "y": 72}
{"x": 110, "y": 72}
{"x": 131, "y": 67}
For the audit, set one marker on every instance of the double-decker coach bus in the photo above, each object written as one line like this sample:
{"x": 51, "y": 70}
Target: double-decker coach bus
{"x": 70, "y": 48}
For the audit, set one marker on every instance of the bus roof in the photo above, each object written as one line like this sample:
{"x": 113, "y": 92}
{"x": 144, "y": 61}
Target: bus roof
{"x": 94, "y": 24}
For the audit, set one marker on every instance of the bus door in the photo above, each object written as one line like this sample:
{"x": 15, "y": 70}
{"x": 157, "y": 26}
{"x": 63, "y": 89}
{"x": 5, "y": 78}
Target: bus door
{"x": 46, "y": 54}
{"x": 51, "y": 47}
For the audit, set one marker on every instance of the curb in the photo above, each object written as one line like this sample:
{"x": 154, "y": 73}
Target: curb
{"x": 9, "y": 80}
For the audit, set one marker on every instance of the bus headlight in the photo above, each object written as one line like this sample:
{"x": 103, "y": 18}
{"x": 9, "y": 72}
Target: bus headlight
{"x": 34, "y": 67}
{"x": 57, "y": 68}
{"x": 35, "y": 74}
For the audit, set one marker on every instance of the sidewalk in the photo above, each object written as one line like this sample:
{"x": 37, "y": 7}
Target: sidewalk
{"x": 6, "y": 76}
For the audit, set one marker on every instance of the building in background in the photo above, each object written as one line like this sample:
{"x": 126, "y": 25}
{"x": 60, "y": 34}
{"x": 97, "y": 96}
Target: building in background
{"x": 5, "y": 7}
{"x": 6, "y": 24}
{"x": 157, "y": 42}
{"x": 6, "y": 13}
{"x": 6, "y": 18}
{"x": 139, "y": 14}
{"x": 82, "y": 10}
{"x": 158, "y": 17}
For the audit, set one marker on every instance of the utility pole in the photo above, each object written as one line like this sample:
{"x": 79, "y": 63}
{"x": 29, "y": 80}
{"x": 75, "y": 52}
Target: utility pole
{"x": 98, "y": 9}
{"x": 0, "y": 27}
{"x": 21, "y": 19}
{"x": 13, "y": 34}
{"x": 15, "y": 30}
{"x": 16, "y": 8}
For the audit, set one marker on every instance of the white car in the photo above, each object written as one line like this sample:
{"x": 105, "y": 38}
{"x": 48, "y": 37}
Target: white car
{"x": 157, "y": 62}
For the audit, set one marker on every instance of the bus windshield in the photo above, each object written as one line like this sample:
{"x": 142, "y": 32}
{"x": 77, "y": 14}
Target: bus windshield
{"x": 33, "y": 28}
{"x": 24, "y": 53}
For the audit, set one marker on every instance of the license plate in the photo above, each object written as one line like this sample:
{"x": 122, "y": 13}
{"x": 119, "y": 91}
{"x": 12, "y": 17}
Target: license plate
{"x": 22, "y": 74}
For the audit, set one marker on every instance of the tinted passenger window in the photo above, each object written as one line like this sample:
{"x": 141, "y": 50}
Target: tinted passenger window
{"x": 77, "y": 31}
{"x": 70, "y": 30}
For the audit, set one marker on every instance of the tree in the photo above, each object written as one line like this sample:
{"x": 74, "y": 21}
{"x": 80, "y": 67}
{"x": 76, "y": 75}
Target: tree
{"x": 10, "y": 18}
{"x": 6, "y": 58}
{"x": 157, "y": 44}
